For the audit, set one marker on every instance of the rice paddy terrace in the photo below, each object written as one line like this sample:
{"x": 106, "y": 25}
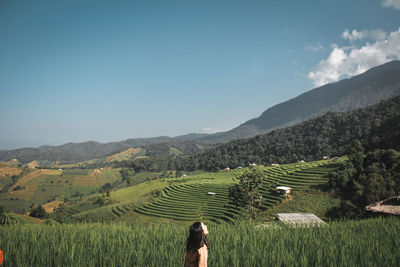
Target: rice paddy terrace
{"x": 206, "y": 197}
{"x": 193, "y": 202}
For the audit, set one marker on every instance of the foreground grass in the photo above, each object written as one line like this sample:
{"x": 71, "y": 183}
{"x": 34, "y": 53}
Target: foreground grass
{"x": 374, "y": 242}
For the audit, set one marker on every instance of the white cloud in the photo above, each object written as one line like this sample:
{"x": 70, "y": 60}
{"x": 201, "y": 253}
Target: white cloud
{"x": 315, "y": 47}
{"x": 345, "y": 62}
{"x": 360, "y": 35}
{"x": 209, "y": 130}
{"x": 391, "y": 3}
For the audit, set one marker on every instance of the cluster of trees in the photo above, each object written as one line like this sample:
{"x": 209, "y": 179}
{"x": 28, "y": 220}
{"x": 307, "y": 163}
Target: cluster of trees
{"x": 38, "y": 212}
{"x": 365, "y": 179}
{"x": 331, "y": 134}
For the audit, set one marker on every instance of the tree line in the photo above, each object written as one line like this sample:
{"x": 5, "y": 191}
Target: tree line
{"x": 365, "y": 178}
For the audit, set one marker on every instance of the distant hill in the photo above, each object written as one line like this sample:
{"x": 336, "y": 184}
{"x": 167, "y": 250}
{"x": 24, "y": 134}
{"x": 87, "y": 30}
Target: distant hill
{"x": 75, "y": 152}
{"x": 371, "y": 87}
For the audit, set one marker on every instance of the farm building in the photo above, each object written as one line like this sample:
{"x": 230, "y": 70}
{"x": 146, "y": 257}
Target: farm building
{"x": 252, "y": 164}
{"x": 387, "y": 206}
{"x": 211, "y": 193}
{"x": 284, "y": 190}
{"x": 227, "y": 169}
{"x": 293, "y": 219}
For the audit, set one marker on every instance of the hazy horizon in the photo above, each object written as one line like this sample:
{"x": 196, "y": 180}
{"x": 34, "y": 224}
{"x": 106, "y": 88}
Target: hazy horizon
{"x": 102, "y": 71}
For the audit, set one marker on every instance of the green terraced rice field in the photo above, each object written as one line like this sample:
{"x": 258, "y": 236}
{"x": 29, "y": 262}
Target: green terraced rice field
{"x": 190, "y": 201}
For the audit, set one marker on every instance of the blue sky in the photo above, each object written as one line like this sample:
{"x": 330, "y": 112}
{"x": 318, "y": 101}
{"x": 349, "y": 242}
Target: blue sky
{"x": 73, "y": 71}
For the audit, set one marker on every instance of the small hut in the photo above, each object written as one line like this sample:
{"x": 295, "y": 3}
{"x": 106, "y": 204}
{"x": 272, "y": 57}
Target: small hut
{"x": 283, "y": 190}
{"x": 299, "y": 219}
{"x": 211, "y": 193}
{"x": 387, "y": 206}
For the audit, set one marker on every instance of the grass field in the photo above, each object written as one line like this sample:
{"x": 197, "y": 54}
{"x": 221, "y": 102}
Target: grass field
{"x": 373, "y": 242}
{"x": 309, "y": 201}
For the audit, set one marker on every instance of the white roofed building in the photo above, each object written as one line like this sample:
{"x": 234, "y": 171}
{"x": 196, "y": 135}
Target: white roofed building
{"x": 284, "y": 190}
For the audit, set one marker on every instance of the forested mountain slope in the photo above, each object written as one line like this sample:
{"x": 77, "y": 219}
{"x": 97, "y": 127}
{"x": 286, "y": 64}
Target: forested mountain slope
{"x": 376, "y": 126}
{"x": 371, "y": 87}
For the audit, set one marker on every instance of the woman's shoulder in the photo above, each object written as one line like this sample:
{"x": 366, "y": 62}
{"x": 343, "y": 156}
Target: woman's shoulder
{"x": 203, "y": 249}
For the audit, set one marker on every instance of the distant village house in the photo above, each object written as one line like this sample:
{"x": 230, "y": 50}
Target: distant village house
{"x": 283, "y": 190}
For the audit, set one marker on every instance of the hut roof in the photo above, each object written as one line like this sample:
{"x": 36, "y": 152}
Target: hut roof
{"x": 389, "y": 206}
{"x": 283, "y": 188}
{"x": 299, "y": 219}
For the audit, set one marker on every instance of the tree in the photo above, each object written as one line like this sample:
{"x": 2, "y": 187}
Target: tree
{"x": 247, "y": 192}
{"x": 356, "y": 155}
{"x": 38, "y": 212}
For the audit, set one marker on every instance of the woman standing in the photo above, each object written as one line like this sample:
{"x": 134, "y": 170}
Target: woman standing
{"x": 197, "y": 246}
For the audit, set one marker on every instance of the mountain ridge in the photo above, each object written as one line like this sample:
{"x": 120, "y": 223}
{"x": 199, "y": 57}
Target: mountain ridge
{"x": 371, "y": 87}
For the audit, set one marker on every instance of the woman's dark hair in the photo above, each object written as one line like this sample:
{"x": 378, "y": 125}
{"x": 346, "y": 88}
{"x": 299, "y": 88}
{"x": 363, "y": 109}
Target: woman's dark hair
{"x": 196, "y": 238}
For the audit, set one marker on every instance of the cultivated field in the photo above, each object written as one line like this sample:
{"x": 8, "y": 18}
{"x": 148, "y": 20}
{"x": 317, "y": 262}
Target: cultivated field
{"x": 188, "y": 198}
{"x": 127, "y": 154}
{"x": 373, "y": 242}
{"x": 38, "y": 186}
{"x": 191, "y": 200}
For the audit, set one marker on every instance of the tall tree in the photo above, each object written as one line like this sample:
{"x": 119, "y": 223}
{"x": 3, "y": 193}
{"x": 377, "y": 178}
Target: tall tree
{"x": 246, "y": 192}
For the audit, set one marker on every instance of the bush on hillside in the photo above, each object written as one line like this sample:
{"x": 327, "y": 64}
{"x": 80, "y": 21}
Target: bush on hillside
{"x": 10, "y": 219}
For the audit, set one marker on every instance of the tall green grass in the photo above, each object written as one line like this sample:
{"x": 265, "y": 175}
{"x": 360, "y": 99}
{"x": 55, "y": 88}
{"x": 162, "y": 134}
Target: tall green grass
{"x": 374, "y": 242}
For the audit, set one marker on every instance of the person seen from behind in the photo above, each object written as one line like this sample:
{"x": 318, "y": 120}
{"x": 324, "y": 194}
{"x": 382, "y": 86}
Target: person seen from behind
{"x": 197, "y": 246}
